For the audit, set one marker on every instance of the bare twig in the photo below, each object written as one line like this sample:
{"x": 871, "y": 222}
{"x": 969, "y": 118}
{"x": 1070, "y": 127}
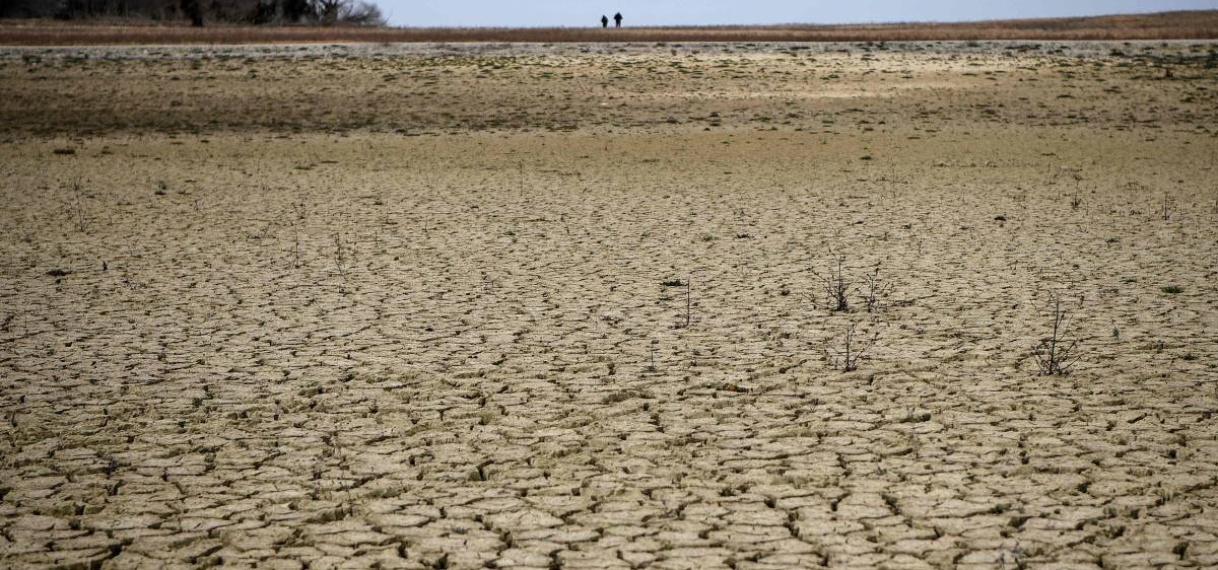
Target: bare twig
{"x": 1056, "y": 353}
{"x": 835, "y": 285}
{"x": 687, "y": 319}
{"x": 875, "y": 292}
{"x": 688, "y": 299}
{"x": 295, "y": 246}
{"x": 341, "y": 254}
{"x": 856, "y": 348}
{"x": 77, "y": 209}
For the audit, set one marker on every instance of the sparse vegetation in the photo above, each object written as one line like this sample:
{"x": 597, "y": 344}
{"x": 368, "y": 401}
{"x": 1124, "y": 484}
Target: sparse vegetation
{"x": 199, "y": 12}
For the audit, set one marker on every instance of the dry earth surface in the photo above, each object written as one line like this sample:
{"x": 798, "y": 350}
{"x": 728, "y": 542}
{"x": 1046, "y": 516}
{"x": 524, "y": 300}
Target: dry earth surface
{"x": 427, "y": 306}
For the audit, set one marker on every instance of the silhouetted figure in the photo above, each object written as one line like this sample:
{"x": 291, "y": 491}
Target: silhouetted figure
{"x": 604, "y": 21}
{"x": 617, "y": 19}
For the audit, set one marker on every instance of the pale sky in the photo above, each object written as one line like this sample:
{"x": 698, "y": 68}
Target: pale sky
{"x": 577, "y": 13}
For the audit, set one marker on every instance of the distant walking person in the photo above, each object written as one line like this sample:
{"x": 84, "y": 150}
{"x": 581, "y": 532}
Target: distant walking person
{"x": 604, "y": 21}
{"x": 617, "y": 19}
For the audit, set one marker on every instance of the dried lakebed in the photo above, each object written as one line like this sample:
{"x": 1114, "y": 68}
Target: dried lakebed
{"x": 312, "y": 339}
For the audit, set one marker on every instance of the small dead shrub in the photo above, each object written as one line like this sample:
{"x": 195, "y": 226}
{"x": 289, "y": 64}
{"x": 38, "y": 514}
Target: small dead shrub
{"x": 76, "y": 207}
{"x": 875, "y": 292}
{"x": 854, "y": 347}
{"x": 342, "y": 254}
{"x": 835, "y": 286}
{"x": 1056, "y": 352}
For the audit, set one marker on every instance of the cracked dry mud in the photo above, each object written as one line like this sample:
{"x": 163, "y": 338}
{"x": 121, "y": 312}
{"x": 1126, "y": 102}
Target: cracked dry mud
{"x": 231, "y": 340}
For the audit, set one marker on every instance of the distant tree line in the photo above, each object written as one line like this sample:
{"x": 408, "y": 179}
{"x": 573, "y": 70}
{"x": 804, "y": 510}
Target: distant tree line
{"x": 361, "y": 12}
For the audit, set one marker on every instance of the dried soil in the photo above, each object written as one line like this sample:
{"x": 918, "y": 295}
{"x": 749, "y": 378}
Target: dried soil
{"x": 412, "y": 308}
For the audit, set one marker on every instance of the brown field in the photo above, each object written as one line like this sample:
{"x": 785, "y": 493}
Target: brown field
{"x": 486, "y": 306}
{"x": 1159, "y": 26}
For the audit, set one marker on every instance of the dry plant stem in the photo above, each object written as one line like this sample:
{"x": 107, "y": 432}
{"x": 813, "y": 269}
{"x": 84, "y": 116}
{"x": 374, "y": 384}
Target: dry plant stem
{"x": 340, "y": 254}
{"x": 76, "y": 208}
{"x": 855, "y": 349}
{"x": 1056, "y": 354}
{"x": 688, "y": 299}
{"x": 835, "y": 285}
{"x": 875, "y": 295}
{"x": 295, "y": 247}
